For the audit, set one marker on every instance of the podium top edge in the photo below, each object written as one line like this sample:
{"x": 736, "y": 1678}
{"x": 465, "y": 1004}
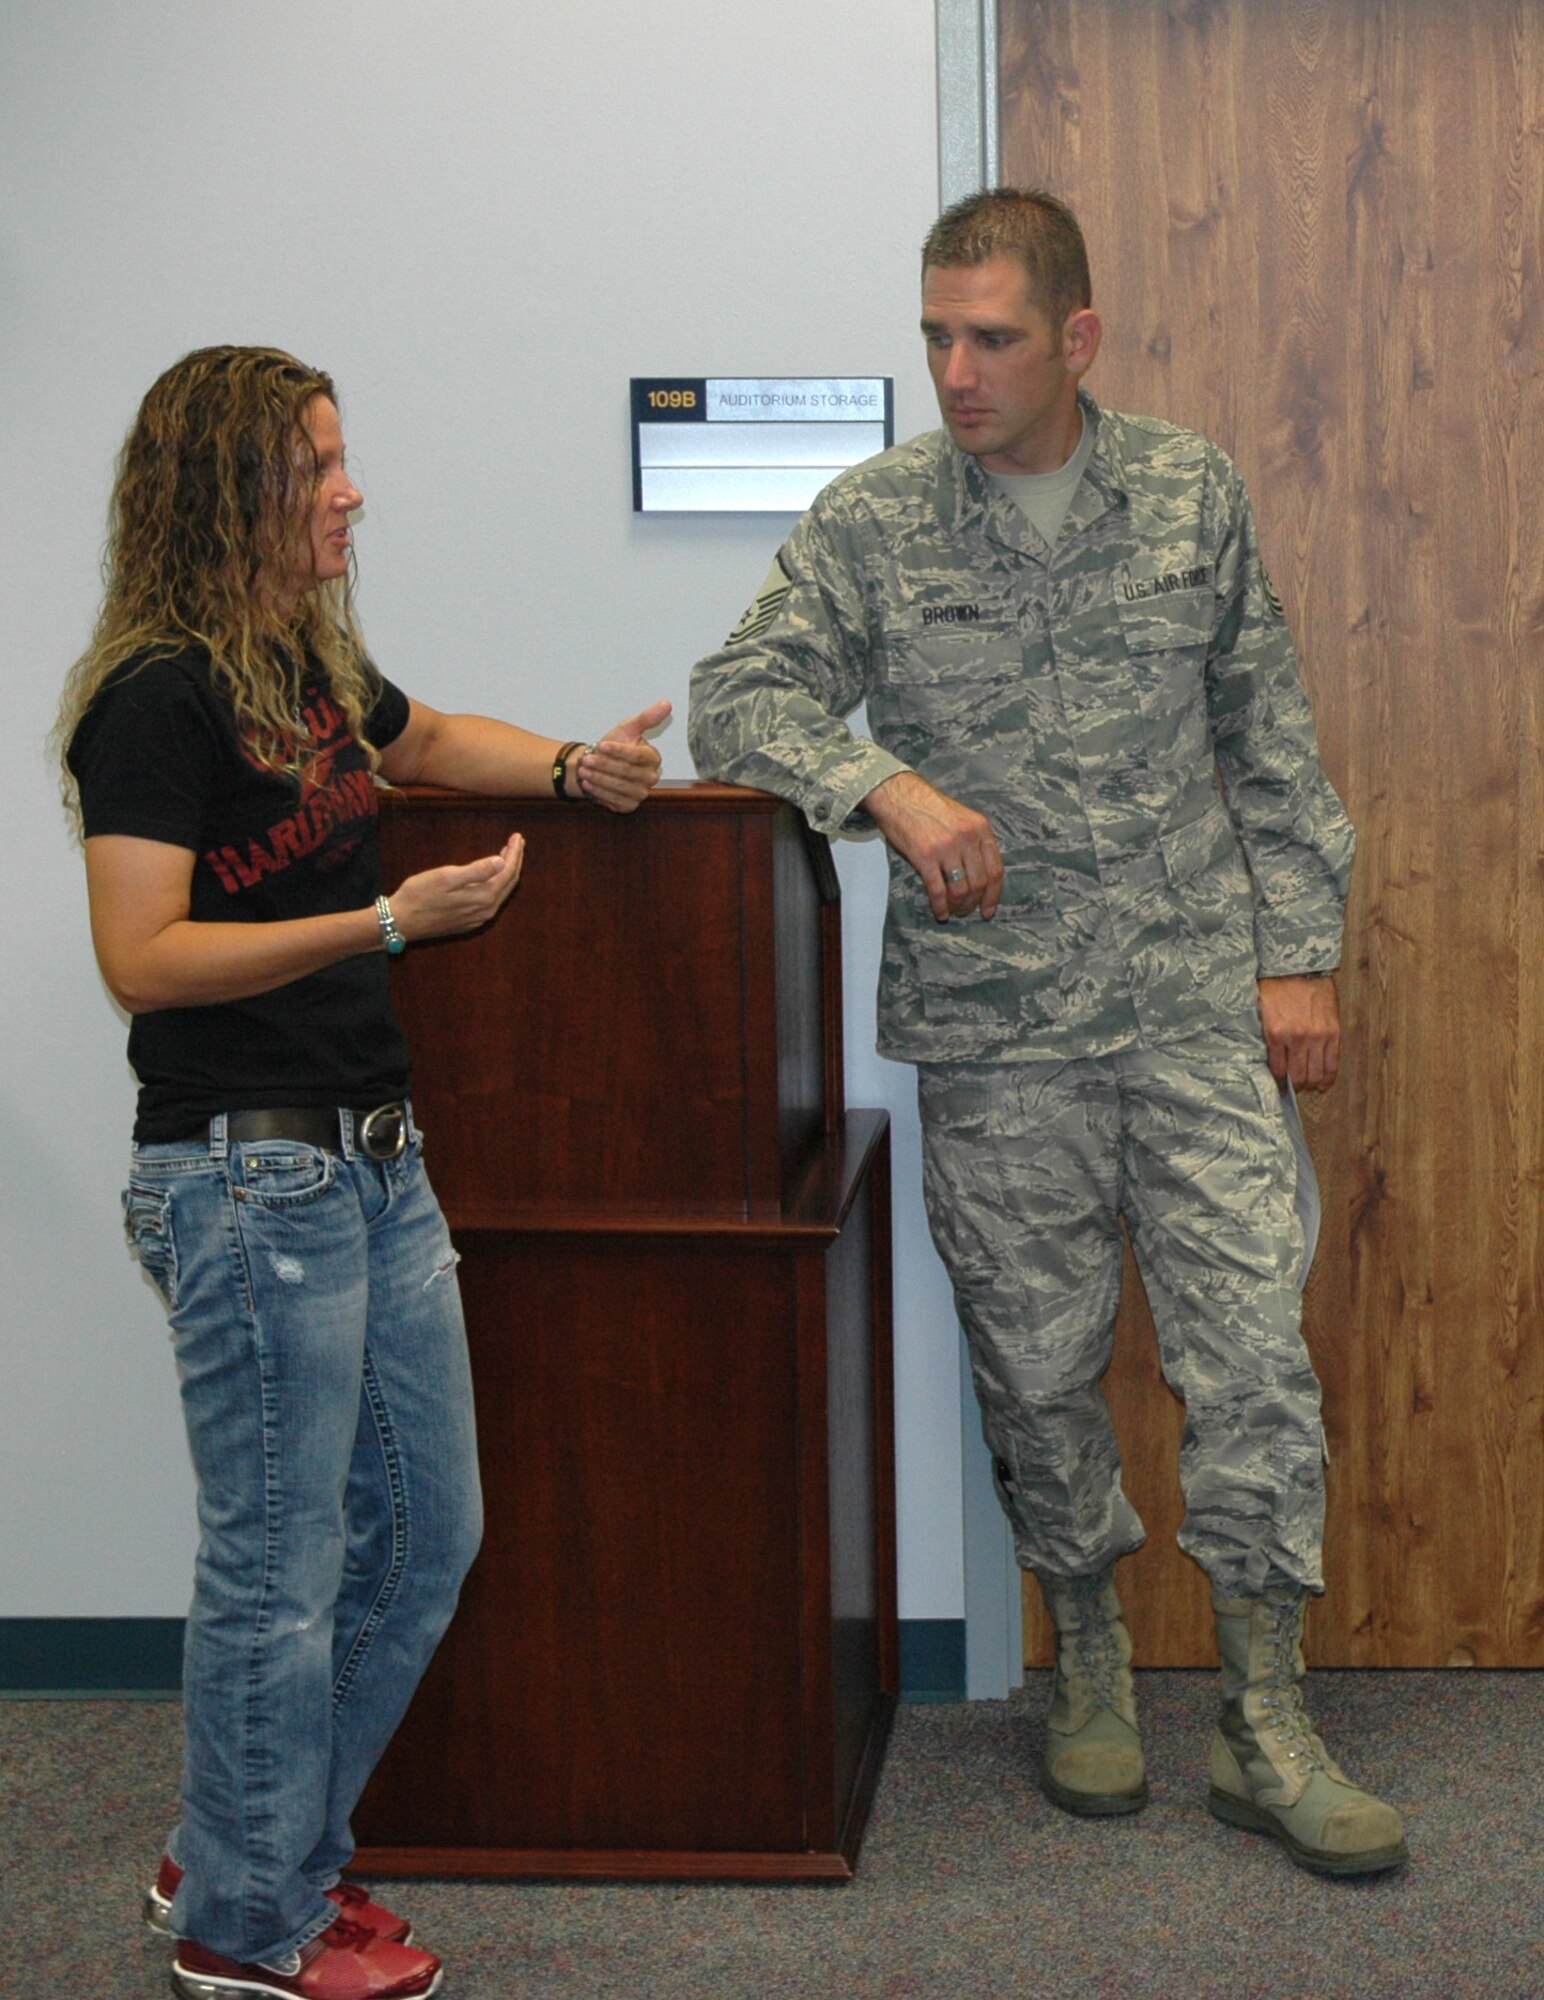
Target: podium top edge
{"x": 671, "y": 795}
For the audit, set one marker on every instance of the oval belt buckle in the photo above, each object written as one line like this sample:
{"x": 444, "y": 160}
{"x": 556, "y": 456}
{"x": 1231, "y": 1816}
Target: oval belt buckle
{"x": 383, "y": 1132}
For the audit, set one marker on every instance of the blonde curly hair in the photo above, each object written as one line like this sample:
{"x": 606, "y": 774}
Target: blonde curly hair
{"x": 211, "y": 500}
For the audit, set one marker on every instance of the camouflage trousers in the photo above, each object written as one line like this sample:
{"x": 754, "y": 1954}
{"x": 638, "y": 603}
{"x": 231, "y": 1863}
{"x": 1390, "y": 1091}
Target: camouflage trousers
{"x": 1027, "y": 1171}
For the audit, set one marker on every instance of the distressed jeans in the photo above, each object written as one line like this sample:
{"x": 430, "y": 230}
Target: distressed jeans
{"x": 327, "y": 1394}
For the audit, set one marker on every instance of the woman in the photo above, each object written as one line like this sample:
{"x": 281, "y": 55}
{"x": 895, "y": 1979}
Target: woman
{"x": 221, "y": 737}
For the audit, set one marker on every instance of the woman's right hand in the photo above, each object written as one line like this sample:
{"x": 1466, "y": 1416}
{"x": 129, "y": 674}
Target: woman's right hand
{"x": 153, "y": 955}
{"x": 445, "y": 902}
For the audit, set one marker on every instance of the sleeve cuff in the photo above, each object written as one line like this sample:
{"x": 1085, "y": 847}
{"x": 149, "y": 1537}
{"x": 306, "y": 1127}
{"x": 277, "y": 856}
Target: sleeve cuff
{"x": 834, "y": 805}
{"x": 1289, "y": 947}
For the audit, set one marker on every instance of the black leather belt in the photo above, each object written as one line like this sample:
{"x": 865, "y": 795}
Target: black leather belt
{"x": 380, "y": 1134}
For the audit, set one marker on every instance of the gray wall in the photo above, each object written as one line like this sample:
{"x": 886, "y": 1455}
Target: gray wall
{"x": 482, "y": 218}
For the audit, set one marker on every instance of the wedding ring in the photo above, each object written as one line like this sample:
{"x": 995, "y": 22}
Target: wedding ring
{"x": 954, "y": 875}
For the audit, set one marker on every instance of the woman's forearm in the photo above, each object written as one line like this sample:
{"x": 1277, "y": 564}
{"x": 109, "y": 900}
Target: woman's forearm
{"x": 188, "y": 964}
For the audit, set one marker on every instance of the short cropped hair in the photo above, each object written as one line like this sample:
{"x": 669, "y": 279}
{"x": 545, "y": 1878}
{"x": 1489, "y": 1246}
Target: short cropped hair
{"x": 1027, "y": 224}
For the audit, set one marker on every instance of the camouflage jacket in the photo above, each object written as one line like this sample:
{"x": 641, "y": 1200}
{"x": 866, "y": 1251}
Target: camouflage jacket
{"x": 1086, "y": 698}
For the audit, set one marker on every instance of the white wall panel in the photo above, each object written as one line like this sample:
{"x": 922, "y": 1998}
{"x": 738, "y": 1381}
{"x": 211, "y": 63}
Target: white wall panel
{"x": 483, "y": 219}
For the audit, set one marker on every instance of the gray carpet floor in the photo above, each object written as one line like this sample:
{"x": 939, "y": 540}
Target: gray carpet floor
{"x": 969, "y": 1883}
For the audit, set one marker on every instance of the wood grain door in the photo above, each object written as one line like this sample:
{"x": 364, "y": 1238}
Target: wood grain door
{"x": 1317, "y": 234}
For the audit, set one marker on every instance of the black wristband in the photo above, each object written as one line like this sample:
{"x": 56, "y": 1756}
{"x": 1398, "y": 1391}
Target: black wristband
{"x": 560, "y": 770}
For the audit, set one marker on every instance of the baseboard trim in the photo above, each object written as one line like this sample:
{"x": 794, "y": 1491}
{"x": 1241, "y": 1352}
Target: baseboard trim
{"x": 932, "y": 1659}
{"x": 140, "y": 1659}
{"x": 90, "y": 1659}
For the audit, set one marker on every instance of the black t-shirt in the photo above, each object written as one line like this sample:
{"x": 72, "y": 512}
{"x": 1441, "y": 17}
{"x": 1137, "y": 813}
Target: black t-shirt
{"x": 158, "y": 756}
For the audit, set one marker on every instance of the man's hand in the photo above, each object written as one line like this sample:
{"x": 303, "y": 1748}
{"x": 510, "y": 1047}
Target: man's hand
{"x": 950, "y": 846}
{"x": 622, "y": 769}
{"x": 1301, "y": 1019}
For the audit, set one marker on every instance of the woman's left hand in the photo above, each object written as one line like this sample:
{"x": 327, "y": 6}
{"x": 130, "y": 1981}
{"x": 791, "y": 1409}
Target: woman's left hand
{"x": 622, "y": 769}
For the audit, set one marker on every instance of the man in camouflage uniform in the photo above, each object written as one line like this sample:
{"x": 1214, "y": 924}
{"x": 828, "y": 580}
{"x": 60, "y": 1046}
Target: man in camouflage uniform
{"x": 1105, "y": 967}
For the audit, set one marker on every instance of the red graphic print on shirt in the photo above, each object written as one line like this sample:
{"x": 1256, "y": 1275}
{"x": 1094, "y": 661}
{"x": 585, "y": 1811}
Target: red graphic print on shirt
{"x": 332, "y": 804}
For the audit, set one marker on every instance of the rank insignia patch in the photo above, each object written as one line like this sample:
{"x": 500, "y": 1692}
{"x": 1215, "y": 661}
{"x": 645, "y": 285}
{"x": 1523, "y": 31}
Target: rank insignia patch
{"x": 764, "y": 606}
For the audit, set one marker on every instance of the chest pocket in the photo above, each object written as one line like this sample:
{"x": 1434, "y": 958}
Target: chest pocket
{"x": 942, "y": 678}
{"x": 1166, "y": 614}
{"x": 1158, "y": 618}
{"x": 1165, "y": 601}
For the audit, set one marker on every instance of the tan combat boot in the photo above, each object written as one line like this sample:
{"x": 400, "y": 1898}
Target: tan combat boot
{"x": 1093, "y": 1755}
{"x": 1270, "y": 1773}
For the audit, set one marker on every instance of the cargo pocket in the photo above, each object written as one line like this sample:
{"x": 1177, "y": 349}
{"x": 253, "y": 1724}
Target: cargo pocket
{"x": 999, "y": 977}
{"x": 1207, "y": 873}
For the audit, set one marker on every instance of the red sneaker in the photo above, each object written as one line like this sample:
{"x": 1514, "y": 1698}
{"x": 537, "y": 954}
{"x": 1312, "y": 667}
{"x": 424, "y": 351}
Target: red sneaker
{"x": 353, "y": 1901}
{"x": 346, "y": 1962}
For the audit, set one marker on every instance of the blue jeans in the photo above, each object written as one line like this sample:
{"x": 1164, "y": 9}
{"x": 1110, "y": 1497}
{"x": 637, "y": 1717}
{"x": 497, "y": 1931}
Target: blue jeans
{"x": 326, "y": 1389}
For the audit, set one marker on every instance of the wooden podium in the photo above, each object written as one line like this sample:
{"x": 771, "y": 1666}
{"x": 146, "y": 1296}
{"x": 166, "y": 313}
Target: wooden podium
{"x": 677, "y": 1653}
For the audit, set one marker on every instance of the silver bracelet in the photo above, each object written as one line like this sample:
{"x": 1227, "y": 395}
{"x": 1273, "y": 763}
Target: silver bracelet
{"x": 391, "y": 937}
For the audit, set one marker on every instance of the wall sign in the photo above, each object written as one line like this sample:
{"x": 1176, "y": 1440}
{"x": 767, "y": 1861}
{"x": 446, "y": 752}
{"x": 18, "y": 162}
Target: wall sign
{"x": 747, "y": 445}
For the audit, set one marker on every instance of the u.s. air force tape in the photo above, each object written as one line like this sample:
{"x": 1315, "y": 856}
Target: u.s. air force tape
{"x": 764, "y": 606}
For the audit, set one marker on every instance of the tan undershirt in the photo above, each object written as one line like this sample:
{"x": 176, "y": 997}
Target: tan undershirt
{"x": 1044, "y": 497}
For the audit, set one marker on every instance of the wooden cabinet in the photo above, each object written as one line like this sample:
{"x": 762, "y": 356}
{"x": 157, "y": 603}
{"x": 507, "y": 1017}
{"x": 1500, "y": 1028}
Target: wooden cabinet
{"x": 676, "y": 1654}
